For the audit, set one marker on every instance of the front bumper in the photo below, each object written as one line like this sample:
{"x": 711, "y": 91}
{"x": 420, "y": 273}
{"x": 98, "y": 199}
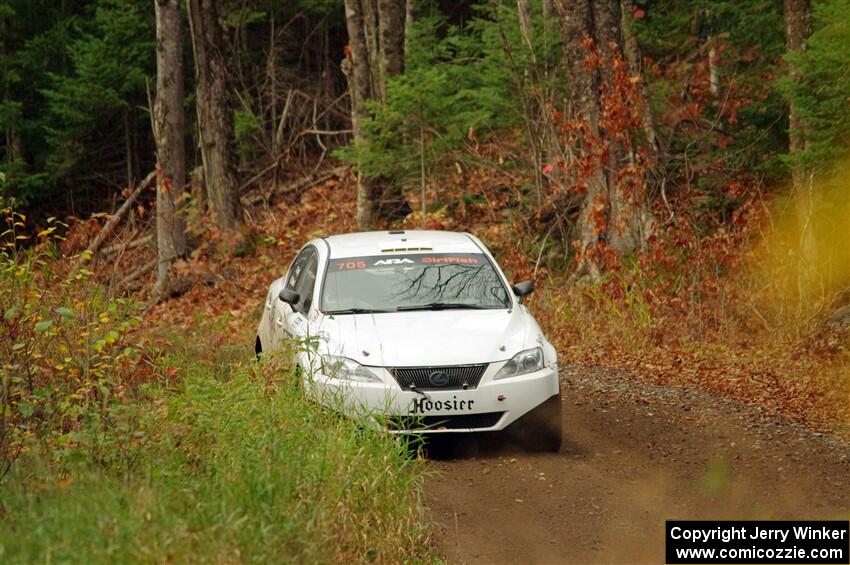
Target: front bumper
{"x": 493, "y": 405}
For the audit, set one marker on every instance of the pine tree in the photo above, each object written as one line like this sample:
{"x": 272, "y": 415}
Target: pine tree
{"x": 816, "y": 88}
{"x": 74, "y": 88}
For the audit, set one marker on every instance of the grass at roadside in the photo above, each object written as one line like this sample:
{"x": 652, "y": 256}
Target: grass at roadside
{"x": 124, "y": 438}
{"x": 221, "y": 463}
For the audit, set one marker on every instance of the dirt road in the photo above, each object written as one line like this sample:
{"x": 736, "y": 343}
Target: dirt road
{"x": 634, "y": 456}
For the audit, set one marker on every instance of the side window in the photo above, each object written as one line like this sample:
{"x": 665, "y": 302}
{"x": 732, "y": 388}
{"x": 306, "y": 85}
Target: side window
{"x": 306, "y": 283}
{"x": 297, "y": 268}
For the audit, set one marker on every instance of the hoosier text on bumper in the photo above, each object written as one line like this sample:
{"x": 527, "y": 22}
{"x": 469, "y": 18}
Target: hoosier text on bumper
{"x": 424, "y": 405}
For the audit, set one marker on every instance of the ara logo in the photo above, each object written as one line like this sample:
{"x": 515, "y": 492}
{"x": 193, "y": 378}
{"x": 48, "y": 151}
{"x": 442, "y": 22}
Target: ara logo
{"x": 393, "y": 261}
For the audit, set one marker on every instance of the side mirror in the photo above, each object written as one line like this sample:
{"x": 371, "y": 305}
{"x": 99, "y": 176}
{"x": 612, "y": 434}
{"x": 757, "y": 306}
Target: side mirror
{"x": 289, "y": 296}
{"x": 522, "y": 289}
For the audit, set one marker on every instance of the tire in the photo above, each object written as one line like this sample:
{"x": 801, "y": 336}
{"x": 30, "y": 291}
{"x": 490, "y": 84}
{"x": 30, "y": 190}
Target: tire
{"x": 258, "y": 348}
{"x": 542, "y": 429}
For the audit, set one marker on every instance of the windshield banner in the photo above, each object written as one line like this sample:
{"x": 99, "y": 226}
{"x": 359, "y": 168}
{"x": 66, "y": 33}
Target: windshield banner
{"x": 393, "y": 261}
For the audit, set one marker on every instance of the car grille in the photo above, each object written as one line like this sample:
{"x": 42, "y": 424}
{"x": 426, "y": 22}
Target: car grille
{"x": 439, "y": 378}
{"x": 453, "y": 422}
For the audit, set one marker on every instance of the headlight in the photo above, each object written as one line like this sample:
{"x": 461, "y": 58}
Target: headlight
{"x": 348, "y": 369}
{"x": 522, "y": 363}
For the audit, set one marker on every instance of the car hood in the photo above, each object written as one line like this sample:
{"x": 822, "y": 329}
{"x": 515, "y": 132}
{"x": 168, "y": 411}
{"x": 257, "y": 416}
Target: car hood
{"x": 429, "y": 338}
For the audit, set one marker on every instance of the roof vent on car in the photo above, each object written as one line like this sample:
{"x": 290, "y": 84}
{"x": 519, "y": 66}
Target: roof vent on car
{"x": 398, "y": 249}
{"x": 397, "y": 232}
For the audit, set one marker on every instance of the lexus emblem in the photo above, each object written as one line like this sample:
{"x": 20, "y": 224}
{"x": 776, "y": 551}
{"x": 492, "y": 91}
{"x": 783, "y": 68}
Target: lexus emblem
{"x": 438, "y": 378}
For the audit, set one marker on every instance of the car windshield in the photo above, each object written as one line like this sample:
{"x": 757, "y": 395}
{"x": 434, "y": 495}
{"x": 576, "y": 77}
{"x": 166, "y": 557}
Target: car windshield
{"x": 412, "y": 282}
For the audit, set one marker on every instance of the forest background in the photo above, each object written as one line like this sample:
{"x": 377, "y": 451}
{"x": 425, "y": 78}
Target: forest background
{"x": 672, "y": 175}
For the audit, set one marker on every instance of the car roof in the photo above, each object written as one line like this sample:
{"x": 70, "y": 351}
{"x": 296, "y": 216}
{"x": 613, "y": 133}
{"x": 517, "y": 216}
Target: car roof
{"x": 364, "y": 244}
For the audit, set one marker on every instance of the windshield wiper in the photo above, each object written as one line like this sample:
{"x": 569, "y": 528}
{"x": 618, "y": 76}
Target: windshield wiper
{"x": 357, "y": 311}
{"x": 444, "y": 306}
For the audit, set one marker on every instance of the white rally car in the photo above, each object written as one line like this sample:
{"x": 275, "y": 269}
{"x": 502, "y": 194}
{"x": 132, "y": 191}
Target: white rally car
{"x": 417, "y": 330}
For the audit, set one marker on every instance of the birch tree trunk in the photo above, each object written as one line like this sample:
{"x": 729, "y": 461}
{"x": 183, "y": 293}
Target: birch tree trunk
{"x": 376, "y": 34}
{"x": 169, "y": 120}
{"x": 215, "y": 115}
{"x": 369, "y": 19}
{"x": 357, "y": 70}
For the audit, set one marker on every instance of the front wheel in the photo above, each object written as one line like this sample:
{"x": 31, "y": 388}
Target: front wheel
{"x": 541, "y": 430}
{"x": 258, "y": 348}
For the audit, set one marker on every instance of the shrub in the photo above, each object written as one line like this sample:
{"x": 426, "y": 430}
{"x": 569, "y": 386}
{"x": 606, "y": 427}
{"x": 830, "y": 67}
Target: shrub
{"x": 66, "y": 350}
